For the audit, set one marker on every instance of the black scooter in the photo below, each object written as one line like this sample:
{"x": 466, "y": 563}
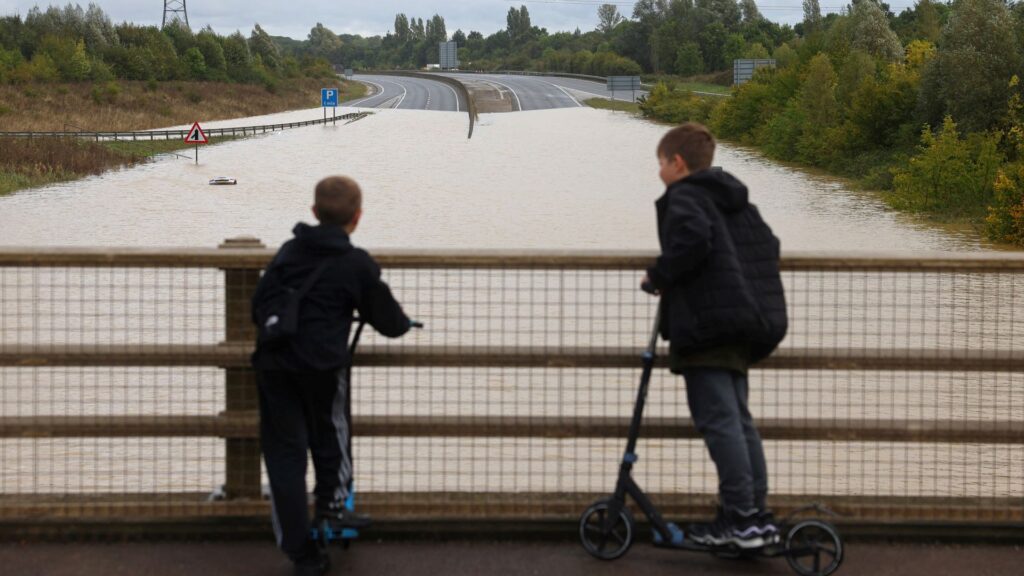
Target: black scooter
{"x": 607, "y": 529}
{"x": 323, "y": 531}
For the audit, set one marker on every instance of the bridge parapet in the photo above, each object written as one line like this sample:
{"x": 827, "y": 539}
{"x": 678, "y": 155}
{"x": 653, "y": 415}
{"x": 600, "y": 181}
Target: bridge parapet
{"x": 125, "y": 392}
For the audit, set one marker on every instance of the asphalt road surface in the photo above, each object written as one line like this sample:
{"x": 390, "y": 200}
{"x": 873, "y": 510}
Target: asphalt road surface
{"x": 546, "y": 92}
{"x": 481, "y": 557}
{"x": 408, "y": 93}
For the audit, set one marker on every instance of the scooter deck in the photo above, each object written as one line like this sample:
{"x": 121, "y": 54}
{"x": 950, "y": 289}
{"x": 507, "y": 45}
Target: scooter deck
{"x": 332, "y": 532}
{"x": 769, "y": 551}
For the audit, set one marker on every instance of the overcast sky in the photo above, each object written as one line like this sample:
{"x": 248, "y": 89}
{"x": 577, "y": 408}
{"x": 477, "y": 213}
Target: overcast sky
{"x": 376, "y": 17}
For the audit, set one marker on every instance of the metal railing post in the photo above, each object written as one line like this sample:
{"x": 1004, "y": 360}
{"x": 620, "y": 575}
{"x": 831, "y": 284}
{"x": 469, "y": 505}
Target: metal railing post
{"x": 242, "y": 467}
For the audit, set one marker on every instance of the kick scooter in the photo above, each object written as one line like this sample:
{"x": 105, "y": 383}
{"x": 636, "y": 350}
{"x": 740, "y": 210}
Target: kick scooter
{"x": 811, "y": 547}
{"x": 323, "y": 531}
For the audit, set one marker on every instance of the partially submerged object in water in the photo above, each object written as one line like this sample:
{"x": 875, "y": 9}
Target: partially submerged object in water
{"x": 223, "y": 181}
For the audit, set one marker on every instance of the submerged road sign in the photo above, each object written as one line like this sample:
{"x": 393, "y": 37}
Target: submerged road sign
{"x": 329, "y": 97}
{"x": 196, "y": 135}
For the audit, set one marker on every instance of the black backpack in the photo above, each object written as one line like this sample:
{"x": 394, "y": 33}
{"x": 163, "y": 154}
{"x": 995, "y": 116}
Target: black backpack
{"x": 277, "y": 313}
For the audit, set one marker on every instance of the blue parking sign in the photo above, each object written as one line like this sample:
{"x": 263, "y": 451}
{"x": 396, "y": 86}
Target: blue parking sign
{"x": 329, "y": 97}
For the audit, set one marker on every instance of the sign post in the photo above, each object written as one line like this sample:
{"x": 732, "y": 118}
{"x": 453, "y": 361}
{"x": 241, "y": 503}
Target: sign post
{"x": 629, "y": 83}
{"x": 196, "y": 136}
{"x": 329, "y": 99}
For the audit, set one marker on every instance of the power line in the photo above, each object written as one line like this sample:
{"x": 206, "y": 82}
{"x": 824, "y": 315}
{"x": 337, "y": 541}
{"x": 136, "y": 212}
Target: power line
{"x": 762, "y": 7}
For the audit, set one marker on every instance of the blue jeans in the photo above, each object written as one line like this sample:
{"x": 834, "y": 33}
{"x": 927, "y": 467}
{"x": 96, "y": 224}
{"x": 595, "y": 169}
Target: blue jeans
{"x": 718, "y": 403}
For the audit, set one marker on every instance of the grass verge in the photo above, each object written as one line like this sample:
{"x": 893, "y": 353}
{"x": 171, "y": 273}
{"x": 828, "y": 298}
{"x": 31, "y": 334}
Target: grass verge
{"x": 40, "y": 161}
{"x": 617, "y": 105}
{"x": 125, "y": 106}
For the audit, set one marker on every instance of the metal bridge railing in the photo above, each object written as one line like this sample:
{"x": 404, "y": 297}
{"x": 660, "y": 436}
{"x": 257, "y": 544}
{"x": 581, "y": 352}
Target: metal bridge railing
{"x": 125, "y": 391}
{"x": 145, "y": 135}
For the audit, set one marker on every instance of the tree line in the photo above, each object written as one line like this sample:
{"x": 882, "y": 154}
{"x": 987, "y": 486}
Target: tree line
{"x": 924, "y": 105}
{"x": 72, "y": 44}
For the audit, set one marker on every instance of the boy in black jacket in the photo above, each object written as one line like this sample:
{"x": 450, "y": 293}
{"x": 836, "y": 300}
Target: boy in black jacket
{"x": 302, "y": 378}
{"x": 724, "y": 310}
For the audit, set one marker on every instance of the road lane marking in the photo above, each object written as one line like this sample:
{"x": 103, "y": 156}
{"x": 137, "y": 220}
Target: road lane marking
{"x": 361, "y": 100}
{"x": 519, "y": 104}
{"x": 577, "y": 102}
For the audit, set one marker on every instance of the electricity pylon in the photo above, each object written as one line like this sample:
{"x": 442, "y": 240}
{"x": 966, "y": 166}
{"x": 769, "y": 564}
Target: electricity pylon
{"x": 174, "y": 9}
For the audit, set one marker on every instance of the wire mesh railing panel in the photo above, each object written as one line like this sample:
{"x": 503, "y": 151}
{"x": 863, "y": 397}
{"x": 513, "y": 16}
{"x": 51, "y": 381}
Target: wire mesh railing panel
{"x": 515, "y": 342}
{"x": 97, "y": 466}
{"x": 130, "y": 307}
{"x": 940, "y": 311}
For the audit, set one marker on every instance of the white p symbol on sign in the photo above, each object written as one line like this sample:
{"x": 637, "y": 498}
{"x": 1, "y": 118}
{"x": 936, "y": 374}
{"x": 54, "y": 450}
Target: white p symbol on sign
{"x": 330, "y": 94}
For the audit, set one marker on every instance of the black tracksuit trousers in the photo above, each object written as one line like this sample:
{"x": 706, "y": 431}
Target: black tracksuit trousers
{"x": 302, "y": 412}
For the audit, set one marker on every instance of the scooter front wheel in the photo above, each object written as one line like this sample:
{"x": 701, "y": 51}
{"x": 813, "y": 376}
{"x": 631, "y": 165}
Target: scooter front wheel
{"x": 814, "y": 548}
{"x": 607, "y": 529}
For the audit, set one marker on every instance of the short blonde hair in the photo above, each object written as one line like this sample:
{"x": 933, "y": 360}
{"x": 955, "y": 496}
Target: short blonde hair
{"x": 337, "y": 200}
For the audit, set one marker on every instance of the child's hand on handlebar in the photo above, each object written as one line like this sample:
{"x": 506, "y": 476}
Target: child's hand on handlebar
{"x": 647, "y": 286}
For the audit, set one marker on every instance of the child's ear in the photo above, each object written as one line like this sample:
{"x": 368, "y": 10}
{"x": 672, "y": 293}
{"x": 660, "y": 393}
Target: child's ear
{"x": 315, "y": 213}
{"x": 680, "y": 163}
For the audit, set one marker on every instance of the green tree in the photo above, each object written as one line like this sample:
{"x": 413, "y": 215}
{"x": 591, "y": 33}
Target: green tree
{"x": 78, "y": 66}
{"x": 734, "y": 48}
{"x": 812, "y": 17}
{"x": 949, "y": 175}
{"x": 926, "y": 25}
{"x": 785, "y": 56}
{"x": 819, "y": 109}
{"x": 688, "y": 60}
{"x": 750, "y": 11}
{"x": 858, "y": 67}
{"x": 977, "y": 55}
{"x": 262, "y": 45}
{"x": 608, "y": 18}
{"x": 712, "y": 44}
{"x": 402, "y": 31}
{"x": 518, "y": 25}
{"x": 238, "y": 58}
{"x": 323, "y": 43}
{"x": 213, "y": 54}
{"x": 871, "y": 32}
{"x": 195, "y": 63}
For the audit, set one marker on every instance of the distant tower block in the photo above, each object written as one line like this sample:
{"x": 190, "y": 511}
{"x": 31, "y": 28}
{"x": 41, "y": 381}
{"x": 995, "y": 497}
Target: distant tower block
{"x": 175, "y": 10}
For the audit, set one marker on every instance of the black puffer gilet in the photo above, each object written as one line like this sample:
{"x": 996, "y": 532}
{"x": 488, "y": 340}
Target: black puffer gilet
{"x": 719, "y": 268}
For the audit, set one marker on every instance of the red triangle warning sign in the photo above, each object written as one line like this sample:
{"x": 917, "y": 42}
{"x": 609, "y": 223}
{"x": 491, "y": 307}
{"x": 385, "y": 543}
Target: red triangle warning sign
{"x": 196, "y": 135}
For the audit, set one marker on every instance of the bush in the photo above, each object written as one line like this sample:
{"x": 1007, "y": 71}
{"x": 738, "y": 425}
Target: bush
{"x": 106, "y": 94}
{"x": 677, "y": 106}
{"x": 949, "y": 175}
{"x": 1005, "y": 221}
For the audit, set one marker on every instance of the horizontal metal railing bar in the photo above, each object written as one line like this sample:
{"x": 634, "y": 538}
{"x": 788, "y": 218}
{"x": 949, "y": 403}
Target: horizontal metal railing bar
{"x": 245, "y": 424}
{"x": 168, "y": 134}
{"x": 503, "y": 507}
{"x": 243, "y": 258}
{"x": 237, "y": 355}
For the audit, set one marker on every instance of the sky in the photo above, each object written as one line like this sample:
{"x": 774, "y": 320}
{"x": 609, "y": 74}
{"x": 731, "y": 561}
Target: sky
{"x": 295, "y": 18}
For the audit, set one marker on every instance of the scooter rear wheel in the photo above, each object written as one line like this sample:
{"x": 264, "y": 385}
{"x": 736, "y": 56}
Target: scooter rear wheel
{"x": 814, "y": 548}
{"x": 607, "y": 529}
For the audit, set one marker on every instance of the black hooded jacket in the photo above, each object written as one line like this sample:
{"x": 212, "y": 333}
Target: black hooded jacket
{"x": 350, "y": 282}
{"x": 718, "y": 271}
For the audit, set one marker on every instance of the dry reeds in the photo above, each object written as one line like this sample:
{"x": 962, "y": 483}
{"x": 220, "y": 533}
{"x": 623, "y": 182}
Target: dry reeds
{"x": 58, "y": 156}
{"x": 145, "y": 105}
